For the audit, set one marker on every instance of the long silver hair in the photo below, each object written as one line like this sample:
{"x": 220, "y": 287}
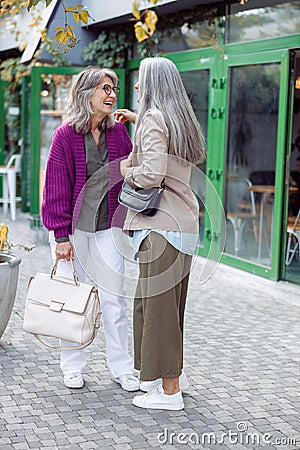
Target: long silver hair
{"x": 79, "y": 110}
{"x": 161, "y": 87}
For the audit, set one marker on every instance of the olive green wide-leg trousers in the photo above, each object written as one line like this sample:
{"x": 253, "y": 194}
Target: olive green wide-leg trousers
{"x": 159, "y": 306}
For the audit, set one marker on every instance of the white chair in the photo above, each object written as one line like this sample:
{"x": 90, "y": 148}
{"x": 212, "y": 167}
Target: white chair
{"x": 293, "y": 232}
{"x": 9, "y": 177}
{"x": 240, "y": 207}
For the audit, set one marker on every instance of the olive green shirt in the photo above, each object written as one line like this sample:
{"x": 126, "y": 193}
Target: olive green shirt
{"x": 94, "y": 210}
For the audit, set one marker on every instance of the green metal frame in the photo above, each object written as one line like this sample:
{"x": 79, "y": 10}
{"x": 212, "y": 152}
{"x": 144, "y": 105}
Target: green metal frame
{"x": 25, "y": 120}
{"x": 285, "y": 202}
{"x": 282, "y": 57}
{"x": 2, "y": 122}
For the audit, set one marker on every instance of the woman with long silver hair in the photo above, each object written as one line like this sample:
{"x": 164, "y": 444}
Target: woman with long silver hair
{"x": 168, "y": 142}
{"x": 80, "y": 209}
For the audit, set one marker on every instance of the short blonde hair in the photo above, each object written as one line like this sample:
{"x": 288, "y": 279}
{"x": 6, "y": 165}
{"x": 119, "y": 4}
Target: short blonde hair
{"x": 79, "y": 111}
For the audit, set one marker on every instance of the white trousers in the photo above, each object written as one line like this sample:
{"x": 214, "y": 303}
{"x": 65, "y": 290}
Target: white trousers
{"x": 99, "y": 257}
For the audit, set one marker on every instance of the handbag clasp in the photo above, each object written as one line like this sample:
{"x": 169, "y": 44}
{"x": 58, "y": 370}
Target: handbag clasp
{"x": 56, "y": 306}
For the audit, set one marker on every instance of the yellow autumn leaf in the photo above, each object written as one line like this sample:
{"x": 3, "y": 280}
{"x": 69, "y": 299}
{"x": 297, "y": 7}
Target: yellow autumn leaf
{"x": 70, "y": 9}
{"x": 63, "y": 39}
{"x": 58, "y": 35}
{"x": 154, "y": 1}
{"x": 84, "y": 16}
{"x": 76, "y": 17}
{"x": 141, "y": 31}
{"x": 3, "y": 235}
{"x": 150, "y": 21}
{"x": 135, "y": 10}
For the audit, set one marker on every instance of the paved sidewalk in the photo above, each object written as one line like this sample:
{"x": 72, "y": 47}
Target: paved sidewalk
{"x": 241, "y": 357}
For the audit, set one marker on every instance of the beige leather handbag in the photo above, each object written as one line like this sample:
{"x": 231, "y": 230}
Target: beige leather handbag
{"x": 63, "y": 308}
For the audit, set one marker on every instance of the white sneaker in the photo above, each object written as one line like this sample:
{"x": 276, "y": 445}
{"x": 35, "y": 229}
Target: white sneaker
{"x": 148, "y": 386}
{"x": 157, "y": 399}
{"x": 128, "y": 382}
{"x": 73, "y": 380}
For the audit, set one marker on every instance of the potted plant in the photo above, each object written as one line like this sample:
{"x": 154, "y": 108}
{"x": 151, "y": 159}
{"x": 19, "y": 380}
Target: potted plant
{"x": 9, "y": 275}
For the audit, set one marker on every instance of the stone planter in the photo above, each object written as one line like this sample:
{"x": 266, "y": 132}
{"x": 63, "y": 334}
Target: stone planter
{"x": 9, "y": 275}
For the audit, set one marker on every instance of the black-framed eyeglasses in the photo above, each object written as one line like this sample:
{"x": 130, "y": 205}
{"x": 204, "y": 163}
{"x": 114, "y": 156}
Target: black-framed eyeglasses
{"x": 107, "y": 88}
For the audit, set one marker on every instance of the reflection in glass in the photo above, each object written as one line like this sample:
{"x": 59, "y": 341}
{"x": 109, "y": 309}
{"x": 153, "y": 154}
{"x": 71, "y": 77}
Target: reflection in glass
{"x": 265, "y": 21}
{"x": 12, "y": 123}
{"x": 251, "y": 159}
{"x": 199, "y": 34}
{"x": 197, "y": 86}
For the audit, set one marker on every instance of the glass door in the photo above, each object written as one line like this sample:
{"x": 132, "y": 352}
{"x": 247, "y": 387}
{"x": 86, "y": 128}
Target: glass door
{"x": 197, "y": 75}
{"x": 197, "y": 72}
{"x": 291, "y": 233}
{"x": 9, "y": 126}
{"x": 255, "y": 159}
{"x": 197, "y": 86}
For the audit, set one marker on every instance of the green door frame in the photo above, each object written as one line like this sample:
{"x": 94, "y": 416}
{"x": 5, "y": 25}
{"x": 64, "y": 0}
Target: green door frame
{"x": 35, "y": 129}
{"x": 25, "y": 143}
{"x": 282, "y": 57}
{"x": 3, "y": 84}
{"x": 289, "y": 127}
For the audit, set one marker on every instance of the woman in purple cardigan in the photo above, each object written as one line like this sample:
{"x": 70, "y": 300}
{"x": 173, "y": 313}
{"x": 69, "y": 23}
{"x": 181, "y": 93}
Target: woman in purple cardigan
{"x": 80, "y": 208}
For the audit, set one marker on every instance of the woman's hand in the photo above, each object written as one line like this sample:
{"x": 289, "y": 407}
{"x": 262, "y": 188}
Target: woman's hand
{"x": 125, "y": 164}
{"x": 122, "y": 115}
{"x": 64, "y": 250}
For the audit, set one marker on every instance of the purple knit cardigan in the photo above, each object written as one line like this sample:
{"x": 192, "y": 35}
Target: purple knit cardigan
{"x": 66, "y": 176}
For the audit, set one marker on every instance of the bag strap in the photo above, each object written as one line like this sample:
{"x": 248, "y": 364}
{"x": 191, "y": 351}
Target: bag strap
{"x": 75, "y": 276}
{"x": 162, "y": 184}
{"x": 77, "y": 347}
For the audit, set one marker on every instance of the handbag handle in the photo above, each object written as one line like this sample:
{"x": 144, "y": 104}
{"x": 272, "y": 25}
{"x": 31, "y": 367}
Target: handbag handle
{"x": 75, "y": 276}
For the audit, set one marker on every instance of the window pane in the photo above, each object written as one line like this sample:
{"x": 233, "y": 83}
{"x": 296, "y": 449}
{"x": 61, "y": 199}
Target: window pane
{"x": 251, "y": 160}
{"x": 265, "y": 21}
